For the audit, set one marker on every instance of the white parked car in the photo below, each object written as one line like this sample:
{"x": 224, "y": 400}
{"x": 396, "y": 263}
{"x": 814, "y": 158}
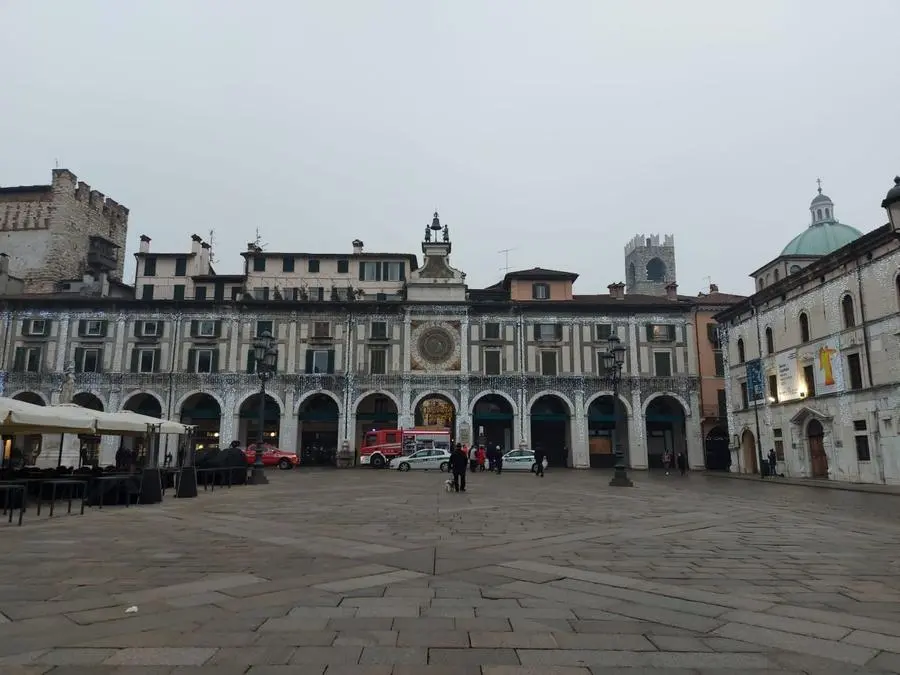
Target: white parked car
{"x": 434, "y": 458}
{"x": 520, "y": 460}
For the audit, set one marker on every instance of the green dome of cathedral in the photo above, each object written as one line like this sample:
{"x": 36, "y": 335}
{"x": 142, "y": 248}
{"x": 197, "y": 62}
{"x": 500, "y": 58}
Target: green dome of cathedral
{"x": 825, "y": 234}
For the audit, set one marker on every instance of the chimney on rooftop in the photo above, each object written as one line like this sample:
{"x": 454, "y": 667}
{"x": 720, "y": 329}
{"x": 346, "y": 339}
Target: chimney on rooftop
{"x": 204, "y": 258}
{"x": 713, "y": 288}
{"x": 144, "y": 246}
{"x": 617, "y": 290}
{"x": 357, "y": 246}
{"x": 672, "y": 291}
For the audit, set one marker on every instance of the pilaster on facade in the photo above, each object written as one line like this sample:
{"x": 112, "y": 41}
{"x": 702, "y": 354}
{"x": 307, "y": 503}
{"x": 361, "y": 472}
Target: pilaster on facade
{"x": 580, "y": 453}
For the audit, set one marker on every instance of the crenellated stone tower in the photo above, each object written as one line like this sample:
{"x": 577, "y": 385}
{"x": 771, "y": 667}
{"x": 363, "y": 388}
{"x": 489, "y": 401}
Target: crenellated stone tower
{"x": 649, "y": 264}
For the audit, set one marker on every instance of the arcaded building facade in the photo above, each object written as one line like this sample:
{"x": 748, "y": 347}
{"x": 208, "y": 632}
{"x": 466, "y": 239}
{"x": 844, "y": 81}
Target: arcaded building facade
{"x": 370, "y": 340}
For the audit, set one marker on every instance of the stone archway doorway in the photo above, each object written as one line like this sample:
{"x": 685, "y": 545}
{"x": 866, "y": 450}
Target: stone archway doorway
{"x": 748, "y": 452}
{"x": 493, "y": 420}
{"x": 815, "y": 434}
{"x": 550, "y": 428}
{"x": 318, "y": 422}
{"x": 718, "y": 454}
{"x": 665, "y": 420}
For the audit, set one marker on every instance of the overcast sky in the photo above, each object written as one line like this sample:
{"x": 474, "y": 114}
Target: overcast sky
{"x": 556, "y": 128}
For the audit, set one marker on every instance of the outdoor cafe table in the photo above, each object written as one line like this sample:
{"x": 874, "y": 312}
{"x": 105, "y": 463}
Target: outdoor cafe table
{"x": 54, "y": 483}
{"x": 10, "y": 488}
{"x": 119, "y": 479}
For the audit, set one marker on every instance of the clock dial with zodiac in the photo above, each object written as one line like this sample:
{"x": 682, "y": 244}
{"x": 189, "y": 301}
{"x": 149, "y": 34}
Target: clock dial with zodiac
{"x": 435, "y": 346}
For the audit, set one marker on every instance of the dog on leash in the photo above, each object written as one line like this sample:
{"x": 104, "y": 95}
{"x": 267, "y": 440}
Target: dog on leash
{"x": 448, "y": 485}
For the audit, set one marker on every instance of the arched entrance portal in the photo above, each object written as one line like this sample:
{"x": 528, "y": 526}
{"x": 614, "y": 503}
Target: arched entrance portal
{"x": 550, "y": 428}
{"x": 375, "y": 411}
{"x": 492, "y": 421}
{"x": 144, "y": 404}
{"x": 718, "y": 455}
{"x": 203, "y": 411}
{"x": 249, "y": 425}
{"x": 748, "y": 452}
{"x": 607, "y": 427}
{"x": 436, "y": 411}
{"x": 665, "y": 430}
{"x": 815, "y": 434}
{"x": 24, "y": 448}
{"x": 317, "y": 430}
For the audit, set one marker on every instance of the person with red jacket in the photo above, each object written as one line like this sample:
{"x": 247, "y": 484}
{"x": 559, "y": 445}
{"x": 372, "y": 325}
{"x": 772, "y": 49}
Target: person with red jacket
{"x": 480, "y": 455}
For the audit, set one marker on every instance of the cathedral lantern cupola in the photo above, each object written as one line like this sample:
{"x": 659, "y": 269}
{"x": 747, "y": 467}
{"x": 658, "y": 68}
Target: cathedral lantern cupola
{"x": 821, "y": 208}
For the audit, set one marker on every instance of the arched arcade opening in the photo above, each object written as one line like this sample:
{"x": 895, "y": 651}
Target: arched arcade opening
{"x": 317, "y": 430}
{"x": 438, "y": 411}
{"x": 607, "y": 428}
{"x": 89, "y": 444}
{"x": 374, "y": 412}
{"x": 718, "y": 454}
{"x": 665, "y": 426}
{"x": 204, "y": 413}
{"x": 493, "y": 420}
{"x": 551, "y": 428}
{"x": 248, "y": 430}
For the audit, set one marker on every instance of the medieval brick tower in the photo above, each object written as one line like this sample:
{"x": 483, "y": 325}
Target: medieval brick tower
{"x": 649, "y": 265}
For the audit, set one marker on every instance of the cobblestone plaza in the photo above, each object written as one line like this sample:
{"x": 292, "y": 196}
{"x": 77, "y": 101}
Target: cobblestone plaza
{"x": 380, "y": 573}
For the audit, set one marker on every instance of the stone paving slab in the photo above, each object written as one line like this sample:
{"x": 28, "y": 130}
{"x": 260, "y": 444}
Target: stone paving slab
{"x": 565, "y": 576}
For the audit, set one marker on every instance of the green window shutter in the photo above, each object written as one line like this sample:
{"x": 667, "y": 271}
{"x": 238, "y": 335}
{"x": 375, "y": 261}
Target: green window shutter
{"x": 99, "y": 360}
{"x": 277, "y": 355}
{"x": 26, "y": 325}
{"x": 79, "y": 359}
{"x": 192, "y": 360}
{"x": 402, "y": 271}
{"x": 194, "y": 328}
{"x": 649, "y": 332}
{"x": 138, "y": 329}
{"x": 309, "y": 360}
{"x": 330, "y": 361}
{"x": 378, "y": 271}
{"x": 135, "y": 354}
{"x": 251, "y": 361}
{"x": 559, "y": 330}
{"x": 362, "y": 271}
{"x": 104, "y": 326}
{"x": 19, "y": 360}
{"x": 217, "y": 332}
{"x": 82, "y": 328}
{"x": 215, "y": 361}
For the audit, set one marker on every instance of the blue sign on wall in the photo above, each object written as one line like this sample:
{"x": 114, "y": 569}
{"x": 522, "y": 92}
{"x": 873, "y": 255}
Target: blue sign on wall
{"x": 755, "y": 391}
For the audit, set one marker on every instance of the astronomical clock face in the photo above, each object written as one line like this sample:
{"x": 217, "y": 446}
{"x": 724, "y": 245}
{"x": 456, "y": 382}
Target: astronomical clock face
{"x": 435, "y": 345}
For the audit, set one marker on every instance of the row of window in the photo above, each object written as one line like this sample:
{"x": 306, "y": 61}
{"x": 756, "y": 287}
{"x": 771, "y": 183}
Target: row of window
{"x": 210, "y": 328}
{"x": 854, "y": 381}
{"x": 849, "y": 320}
{"x": 147, "y": 359}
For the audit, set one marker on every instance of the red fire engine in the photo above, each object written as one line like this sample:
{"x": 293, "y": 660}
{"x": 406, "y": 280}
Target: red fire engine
{"x": 380, "y": 446}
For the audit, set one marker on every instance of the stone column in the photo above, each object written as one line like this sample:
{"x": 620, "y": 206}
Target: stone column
{"x": 637, "y": 434}
{"x": 229, "y": 422}
{"x": 463, "y": 415}
{"x": 118, "y": 350}
{"x": 288, "y": 431}
{"x": 110, "y": 444}
{"x": 62, "y": 348}
{"x": 693, "y": 434}
{"x": 580, "y": 454}
{"x": 406, "y": 416}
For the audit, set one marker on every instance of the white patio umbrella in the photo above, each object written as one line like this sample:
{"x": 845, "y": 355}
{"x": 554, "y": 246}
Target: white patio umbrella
{"x": 159, "y": 425}
{"x": 19, "y": 417}
{"x": 109, "y": 424}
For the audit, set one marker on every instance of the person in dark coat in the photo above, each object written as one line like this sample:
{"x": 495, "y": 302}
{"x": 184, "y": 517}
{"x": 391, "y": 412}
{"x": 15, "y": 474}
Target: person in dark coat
{"x": 773, "y": 462}
{"x": 539, "y": 461}
{"x": 458, "y": 465}
{"x": 498, "y": 461}
{"x": 681, "y": 461}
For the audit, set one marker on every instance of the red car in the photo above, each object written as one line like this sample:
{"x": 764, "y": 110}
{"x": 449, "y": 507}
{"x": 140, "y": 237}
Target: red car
{"x": 272, "y": 456}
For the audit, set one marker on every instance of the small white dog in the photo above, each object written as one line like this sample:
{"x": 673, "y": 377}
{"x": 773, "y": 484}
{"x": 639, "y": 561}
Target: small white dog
{"x": 448, "y": 485}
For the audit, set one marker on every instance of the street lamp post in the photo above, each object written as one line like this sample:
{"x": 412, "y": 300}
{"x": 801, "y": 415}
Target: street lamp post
{"x": 266, "y": 356}
{"x": 613, "y": 360}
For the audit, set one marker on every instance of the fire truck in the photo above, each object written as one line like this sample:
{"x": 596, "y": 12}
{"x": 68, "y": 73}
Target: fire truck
{"x": 381, "y": 445}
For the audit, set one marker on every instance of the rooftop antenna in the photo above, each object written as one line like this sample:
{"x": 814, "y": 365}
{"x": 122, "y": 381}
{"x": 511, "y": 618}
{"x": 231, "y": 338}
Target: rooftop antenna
{"x": 56, "y": 162}
{"x": 258, "y": 241}
{"x": 212, "y": 246}
{"x": 708, "y": 281}
{"x": 505, "y": 252}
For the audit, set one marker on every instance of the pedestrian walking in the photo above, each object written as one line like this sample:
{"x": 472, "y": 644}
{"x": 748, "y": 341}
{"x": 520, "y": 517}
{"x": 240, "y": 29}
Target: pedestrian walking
{"x": 539, "y": 461}
{"x": 773, "y": 462}
{"x": 480, "y": 457}
{"x": 681, "y": 461}
{"x": 458, "y": 465}
{"x": 667, "y": 461}
{"x": 472, "y": 455}
{"x": 499, "y": 460}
